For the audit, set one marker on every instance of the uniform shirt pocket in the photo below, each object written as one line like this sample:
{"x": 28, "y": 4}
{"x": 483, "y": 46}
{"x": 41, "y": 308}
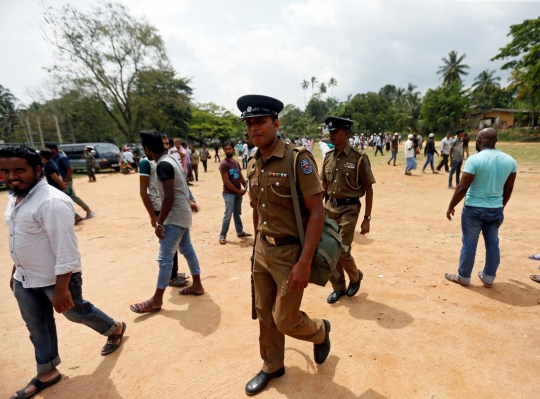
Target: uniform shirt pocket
{"x": 278, "y": 189}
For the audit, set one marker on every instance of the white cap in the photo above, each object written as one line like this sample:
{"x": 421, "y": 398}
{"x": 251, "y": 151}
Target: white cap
{"x": 410, "y": 136}
{"x": 431, "y": 135}
{"x": 395, "y": 134}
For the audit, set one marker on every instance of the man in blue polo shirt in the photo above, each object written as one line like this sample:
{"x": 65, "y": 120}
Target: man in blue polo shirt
{"x": 487, "y": 184}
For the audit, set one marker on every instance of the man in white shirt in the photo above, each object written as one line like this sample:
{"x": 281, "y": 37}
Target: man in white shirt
{"x": 129, "y": 157}
{"x": 47, "y": 264}
{"x": 446, "y": 145}
{"x": 409, "y": 155}
{"x": 245, "y": 155}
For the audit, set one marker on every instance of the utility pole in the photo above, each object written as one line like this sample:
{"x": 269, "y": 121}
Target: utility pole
{"x": 71, "y": 128}
{"x": 23, "y": 128}
{"x": 40, "y": 132}
{"x": 58, "y": 130}
{"x": 30, "y": 133}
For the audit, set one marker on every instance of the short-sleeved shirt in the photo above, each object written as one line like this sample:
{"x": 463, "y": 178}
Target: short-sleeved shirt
{"x": 89, "y": 158}
{"x": 63, "y": 164}
{"x": 49, "y": 169}
{"x": 148, "y": 168}
{"x": 205, "y": 154}
{"x": 465, "y": 141}
{"x": 409, "y": 149}
{"x": 457, "y": 147}
{"x": 180, "y": 214}
{"x": 395, "y": 144}
{"x": 346, "y": 173}
{"x": 232, "y": 169}
{"x": 128, "y": 156}
{"x": 270, "y": 188}
{"x": 491, "y": 169}
{"x": 195, "y": 157}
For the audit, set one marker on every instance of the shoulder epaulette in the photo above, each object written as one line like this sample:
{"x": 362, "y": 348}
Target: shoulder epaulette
{"x": 358, "y": 151}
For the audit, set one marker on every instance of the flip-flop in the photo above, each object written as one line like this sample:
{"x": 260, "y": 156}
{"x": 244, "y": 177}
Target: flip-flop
{"x": 110, "y": 346}
{"x": 179, "y": 281}
{"x": 454, "y": 278}
{"x": 40, "y": 386}
{"x": 143, "y": 307}
{"x": 534, "y": 257}
{"x": 535, "y": 278}
{"x": 222, "y": 240}
{"x": 189, "y": 291}
{"x": 487, "y": 285}
{"x": 90, "y": 215}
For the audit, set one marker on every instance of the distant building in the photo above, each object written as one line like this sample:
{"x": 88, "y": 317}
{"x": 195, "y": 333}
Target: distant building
{"x": 500, "y": 118}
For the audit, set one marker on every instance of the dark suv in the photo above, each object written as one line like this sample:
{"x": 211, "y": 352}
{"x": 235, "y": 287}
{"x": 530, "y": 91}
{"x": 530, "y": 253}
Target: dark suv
{"x": 106, "y": 155}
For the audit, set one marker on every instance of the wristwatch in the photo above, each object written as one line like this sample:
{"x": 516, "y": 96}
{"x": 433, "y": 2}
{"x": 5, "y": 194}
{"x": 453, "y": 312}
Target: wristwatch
{"x": 367, "y": 217}
{"x": 159, "y": 226}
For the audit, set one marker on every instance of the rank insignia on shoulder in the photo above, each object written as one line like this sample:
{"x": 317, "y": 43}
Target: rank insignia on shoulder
{"x": 306, "y": 166}
{"x": 349, "y": 165}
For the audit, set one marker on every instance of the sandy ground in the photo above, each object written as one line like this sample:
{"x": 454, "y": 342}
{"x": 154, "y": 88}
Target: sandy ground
{"x": 407, "y": 334}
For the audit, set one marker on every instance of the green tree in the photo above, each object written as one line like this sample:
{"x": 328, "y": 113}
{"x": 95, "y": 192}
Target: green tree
{"x": 322, "y": 89}
{"x": 305, "y": 86}
{"x": 212, "y": 122}
{"x": 102, "y": 51}
{"x": 453, "y": 68}
{"x": 485, "y": 80}
{"x": 443, "y": 107}
{"x": 314, "y": 82}
{"x": 332, "y": 83}
{"x": 9, "y": 113}
{"x": 521, "y": 81}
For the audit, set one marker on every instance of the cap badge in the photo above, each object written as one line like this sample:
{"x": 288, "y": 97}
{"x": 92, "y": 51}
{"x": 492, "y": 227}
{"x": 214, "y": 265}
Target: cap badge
{"x": 249, "y": 109}
{"x": 330, "y": 123}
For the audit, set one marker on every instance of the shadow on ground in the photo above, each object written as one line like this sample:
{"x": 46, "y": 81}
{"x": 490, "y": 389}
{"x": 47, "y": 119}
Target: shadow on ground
{"x": 386, "y": 316}
{"x": 361, "y": 239}
{"x": 514, "y": 292}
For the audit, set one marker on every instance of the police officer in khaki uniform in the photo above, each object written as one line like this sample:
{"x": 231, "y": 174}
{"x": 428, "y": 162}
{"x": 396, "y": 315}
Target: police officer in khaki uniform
{"x": 346, "y": 176}
{"x": 281, "y": 266}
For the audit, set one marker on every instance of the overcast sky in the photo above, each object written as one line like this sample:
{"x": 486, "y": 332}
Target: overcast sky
{"x": 235, "y": 47}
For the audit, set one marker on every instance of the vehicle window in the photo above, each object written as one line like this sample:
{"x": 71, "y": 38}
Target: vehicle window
{"x": 73, "y": 152}
{"x": 106, "y": 150}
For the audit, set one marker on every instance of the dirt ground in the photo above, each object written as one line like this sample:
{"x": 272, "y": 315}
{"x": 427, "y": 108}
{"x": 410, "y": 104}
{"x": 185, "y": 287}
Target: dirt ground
{"x": 407, "y": 334}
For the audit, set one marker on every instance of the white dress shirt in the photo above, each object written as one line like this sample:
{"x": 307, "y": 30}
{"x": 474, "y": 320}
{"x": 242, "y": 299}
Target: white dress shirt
{"x": 446, "y": 145}
{"x": 42, "y": 240}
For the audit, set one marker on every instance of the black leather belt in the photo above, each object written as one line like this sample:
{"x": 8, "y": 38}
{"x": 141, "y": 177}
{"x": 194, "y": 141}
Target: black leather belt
{"x": 279, "y": 241}
{"x": 343, "y": 201}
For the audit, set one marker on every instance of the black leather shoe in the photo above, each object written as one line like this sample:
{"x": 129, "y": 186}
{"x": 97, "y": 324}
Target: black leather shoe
{"x": 353, "y": 288}
{"x": 321, "y": 351}
{"x": 261, "y": 380}
{"x": 334, "y": 296}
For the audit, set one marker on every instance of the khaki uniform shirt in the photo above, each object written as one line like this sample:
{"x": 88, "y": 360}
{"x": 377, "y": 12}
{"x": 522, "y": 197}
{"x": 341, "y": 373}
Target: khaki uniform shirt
{"x": 269, "y": 186}
{"x": 345, "y": 178}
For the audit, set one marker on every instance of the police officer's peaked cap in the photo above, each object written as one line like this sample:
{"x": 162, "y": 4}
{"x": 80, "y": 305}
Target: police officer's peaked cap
{"x": 334, "y": 122}
{"x": 254, "y": 105}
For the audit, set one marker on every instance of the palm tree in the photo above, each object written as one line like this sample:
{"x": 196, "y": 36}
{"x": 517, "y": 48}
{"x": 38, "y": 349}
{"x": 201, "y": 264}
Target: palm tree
{"x": 9, "y": 113}
{"x": 332, "y": 83}
{"x": 520, "y": 81}
{"x": 305, "y": 85}
{"x": 322, "y": 90}
{"x": 453, "y": 67}
{"x": 485, "y": 80}
{"x": 314, "y": 82}
{"x": 398, "y": 96}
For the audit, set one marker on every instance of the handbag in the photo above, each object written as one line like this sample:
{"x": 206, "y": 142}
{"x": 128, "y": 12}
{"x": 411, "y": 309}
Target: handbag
{"x": 323, "y": 265}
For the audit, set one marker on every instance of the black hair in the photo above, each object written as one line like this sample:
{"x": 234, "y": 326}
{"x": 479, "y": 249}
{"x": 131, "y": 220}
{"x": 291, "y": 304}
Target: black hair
{"x": 460, "y": 131}
{"x": 52, "y": 146}
{"x": 45, "y": 153}
{"x": 152, "y": 140}
{"x": 171, "y": 143}
{"x": 230, "y": 143}
{"x": 22, "y": 151}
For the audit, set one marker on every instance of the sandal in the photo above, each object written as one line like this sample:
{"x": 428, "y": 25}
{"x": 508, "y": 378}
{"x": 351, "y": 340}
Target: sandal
{"x": 534, "y": 257}
{"x": 480, "y": 274}
{"x": 244, "y": 234}
{"x": 535, "y": 278}
{"x": 143, "y": 307}
{"x": 454, "y": 278}
{"x": 110, "y": 346}
{"x": 179, "y": 281}
{"x": 222, "y": 240}
{"x": 189, "y": 291}
{"x": 39, "y": 387}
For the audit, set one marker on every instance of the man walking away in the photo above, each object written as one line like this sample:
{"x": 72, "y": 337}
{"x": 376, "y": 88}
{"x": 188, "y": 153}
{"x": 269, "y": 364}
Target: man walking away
{"x": 395, "y": 147}
{"x": 245, "y": 154}
{"x": 46, "y": 274}
{"x": 445, "y": 152}
{"x": 409, "y": 156}
{"x": 379, "y": 143}
{"x": 233, "y": 181}
{"x": 456, "y": 159}
{"x": 173, "y": 223}
{"x": 415, "y": 143}
{"x": 216, "y": 156}
{"x": 195, "y": 158}
{"x": 205, "y": 155}
{"x": 487, "y": 184}
{"x": 430, "y": 151}
{"x": 465, "y": 142}
{"x": 90, "y": 164}
{"x": 64, "y": 166}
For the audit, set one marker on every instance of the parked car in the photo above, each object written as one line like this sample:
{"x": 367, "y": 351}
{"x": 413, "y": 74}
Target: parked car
{"x": 106, "y": 155}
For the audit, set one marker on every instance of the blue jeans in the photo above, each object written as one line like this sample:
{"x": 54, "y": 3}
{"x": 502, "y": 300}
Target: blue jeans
{"x": 37, "y": 312}
{"x": 429, "y": 162}
{"x": 233, "y": 207}
{"x": 175, "y": 237}
{"x": 473, "y": 221}
{"x": 455, "y": 168}
{"x": 394, "y": 157}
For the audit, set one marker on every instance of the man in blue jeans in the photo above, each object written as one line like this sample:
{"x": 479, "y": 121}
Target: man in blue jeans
{"x": 487, "y": 184}
{"x": 47, "y": 265}
{"x": 233, "y": 181}
{"x": 172, "y": 224}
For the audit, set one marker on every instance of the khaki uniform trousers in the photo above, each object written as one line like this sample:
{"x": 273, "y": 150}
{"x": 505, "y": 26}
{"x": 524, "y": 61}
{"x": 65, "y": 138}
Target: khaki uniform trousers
{"x": 346, "y": 218}
{"x": 278, "y": 309}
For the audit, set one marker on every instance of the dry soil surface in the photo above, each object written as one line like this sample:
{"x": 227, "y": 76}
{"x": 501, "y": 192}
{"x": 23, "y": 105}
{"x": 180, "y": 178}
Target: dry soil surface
{"x": 407, "y": 334}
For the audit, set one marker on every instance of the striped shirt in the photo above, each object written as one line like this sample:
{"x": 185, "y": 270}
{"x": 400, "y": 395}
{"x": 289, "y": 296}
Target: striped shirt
{"x": 42, "y": 240}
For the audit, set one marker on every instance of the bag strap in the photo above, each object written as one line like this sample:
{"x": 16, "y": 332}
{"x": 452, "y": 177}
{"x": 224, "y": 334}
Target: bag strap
{"x": 294, "y": 194}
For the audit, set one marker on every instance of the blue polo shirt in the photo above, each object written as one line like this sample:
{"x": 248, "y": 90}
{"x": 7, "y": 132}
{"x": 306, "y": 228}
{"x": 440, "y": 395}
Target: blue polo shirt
{"x": 491, "y": 169}
{"x": 63, "y": 164}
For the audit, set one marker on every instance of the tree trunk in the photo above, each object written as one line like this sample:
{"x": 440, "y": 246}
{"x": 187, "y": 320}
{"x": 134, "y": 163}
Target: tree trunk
{"x": 532, "y": 112}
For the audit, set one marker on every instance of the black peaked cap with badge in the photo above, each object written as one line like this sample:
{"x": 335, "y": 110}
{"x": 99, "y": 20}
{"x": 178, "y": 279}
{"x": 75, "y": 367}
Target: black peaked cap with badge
{"x": 254, "y": 105}
{"x": 334, "y": 123}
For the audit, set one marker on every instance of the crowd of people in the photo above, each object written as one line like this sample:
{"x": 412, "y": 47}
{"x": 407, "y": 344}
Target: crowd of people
{"x": 47, "y": 266}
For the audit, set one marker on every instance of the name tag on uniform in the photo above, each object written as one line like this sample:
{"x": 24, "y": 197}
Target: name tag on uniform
{"x": 349, "y": 165}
